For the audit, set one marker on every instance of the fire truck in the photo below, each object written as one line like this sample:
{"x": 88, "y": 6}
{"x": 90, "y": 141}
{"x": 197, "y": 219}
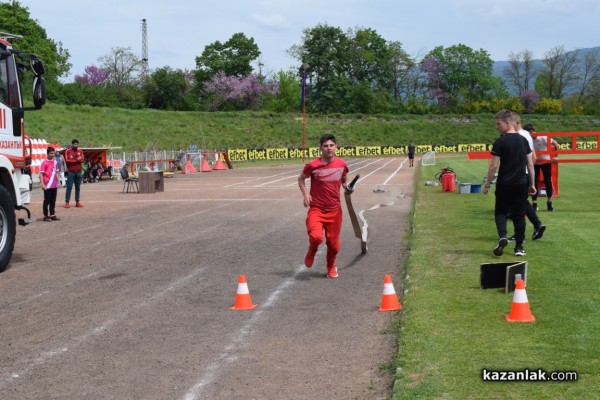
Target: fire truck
{"x": 15, "y": 147}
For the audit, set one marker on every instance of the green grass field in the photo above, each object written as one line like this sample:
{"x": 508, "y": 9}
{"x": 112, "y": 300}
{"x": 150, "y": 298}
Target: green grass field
{"x": 142, "y": 130}
{"x": 450, "y": 329}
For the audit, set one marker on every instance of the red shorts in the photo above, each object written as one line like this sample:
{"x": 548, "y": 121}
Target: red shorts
{"x": 317, "y": 222}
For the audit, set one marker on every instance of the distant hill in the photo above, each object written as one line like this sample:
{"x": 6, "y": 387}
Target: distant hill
{"x": 499, "y": 68}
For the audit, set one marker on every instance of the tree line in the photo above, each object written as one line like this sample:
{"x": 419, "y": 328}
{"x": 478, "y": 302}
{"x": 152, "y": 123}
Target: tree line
{"x": 352, "y": 71}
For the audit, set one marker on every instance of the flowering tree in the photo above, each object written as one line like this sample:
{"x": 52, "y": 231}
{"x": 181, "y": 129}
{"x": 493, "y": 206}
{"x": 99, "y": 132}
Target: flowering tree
{"x": 529, "y": 99}
{"x": 93, "y": 76}
{"x": 434, "y": 70}
{"x": 231, "y": 92}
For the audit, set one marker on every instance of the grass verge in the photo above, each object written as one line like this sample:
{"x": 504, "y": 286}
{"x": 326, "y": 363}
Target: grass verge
{"x": 451, "y": 329}
{"x": 143, "y": 130}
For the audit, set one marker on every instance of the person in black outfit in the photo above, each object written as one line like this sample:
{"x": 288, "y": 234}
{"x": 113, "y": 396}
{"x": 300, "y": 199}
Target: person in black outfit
{"x": 511, "y": 156}
{"x": 538, "y": 227}
{"x": 411, "y": 154}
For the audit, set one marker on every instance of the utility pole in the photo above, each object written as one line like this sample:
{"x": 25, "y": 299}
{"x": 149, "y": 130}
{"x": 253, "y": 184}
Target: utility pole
{"x": 304, "y": 66}
{"x": 144, "y": 51}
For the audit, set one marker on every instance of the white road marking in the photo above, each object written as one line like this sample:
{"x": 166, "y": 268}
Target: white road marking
{"x": 395, "y": 172}
{"x": 256, "y": 179}
{"x": 350, "y": 165}
{"x": 240, "y": 340}
{"x": 98, "y": 330}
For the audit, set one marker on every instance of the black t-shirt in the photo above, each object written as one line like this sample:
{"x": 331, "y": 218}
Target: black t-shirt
{"x": 512, "y": 149}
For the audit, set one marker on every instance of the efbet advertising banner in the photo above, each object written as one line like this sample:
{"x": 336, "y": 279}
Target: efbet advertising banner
{"x": 240, "y": 155}
{"x": 282, "y": 153}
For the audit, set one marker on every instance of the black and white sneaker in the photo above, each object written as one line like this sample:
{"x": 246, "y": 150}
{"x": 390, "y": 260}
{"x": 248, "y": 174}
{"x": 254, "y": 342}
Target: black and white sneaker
{"x": 512, "y": 238}
{"x": 499, "y": 249}
{"x": 538, "y": 232}
{"x": 519, "y": 251}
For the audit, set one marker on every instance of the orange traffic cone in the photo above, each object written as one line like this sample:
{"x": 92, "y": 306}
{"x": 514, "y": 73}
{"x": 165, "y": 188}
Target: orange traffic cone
{"x": 189, "y": 167}
{"x": 242, "y": 299}
{"x": 218, "y": 163}
{"x": 519, "y": 311}
{"x": 389, "y": 300}
{"x": 205, "y": 167}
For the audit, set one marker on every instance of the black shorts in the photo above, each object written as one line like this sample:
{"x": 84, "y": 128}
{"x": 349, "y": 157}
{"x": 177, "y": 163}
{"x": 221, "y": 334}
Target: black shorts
{"x": 411, "y": 155}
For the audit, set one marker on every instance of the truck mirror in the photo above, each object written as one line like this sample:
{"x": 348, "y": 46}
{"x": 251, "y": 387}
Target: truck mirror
{"x": 37, "y": 66}
{"x": 39, "y": 91}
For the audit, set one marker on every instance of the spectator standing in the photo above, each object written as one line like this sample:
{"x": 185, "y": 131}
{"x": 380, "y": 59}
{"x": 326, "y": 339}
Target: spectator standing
{"x": 62, "y": 167}
{"x": 530, "y": 210}
{"x": 543, "y": 163}
{"x": 327, "y": 173}
{"x": 73, "y": 158}
{"x": 511, "y": 156}
{"x": 411, "y": 154}
{"x": 49, "y": 181}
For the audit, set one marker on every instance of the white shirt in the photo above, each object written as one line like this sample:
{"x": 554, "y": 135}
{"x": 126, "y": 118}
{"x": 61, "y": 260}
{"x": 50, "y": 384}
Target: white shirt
{"x": 527, "y": 136}
{"x": 540, "y": 143}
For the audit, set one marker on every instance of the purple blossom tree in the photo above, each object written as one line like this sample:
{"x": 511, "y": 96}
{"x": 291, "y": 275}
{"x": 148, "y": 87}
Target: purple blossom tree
{"x": 435, "y": 82}
{"x": 93, "y": 76}
{"x": 243, "y": 93}
{"x": 529, "y": 99}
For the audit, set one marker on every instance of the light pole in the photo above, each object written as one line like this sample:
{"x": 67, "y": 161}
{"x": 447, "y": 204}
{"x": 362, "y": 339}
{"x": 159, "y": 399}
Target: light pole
{"x": 304, "y": 66}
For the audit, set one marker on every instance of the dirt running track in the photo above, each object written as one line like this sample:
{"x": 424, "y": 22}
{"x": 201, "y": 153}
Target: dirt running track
{"x": 128, "y": 297}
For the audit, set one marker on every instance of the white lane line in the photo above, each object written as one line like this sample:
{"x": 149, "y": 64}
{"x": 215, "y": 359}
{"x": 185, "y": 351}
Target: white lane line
{"x": 239, "y": 341}
{"x": 350, "y": 166}
{"x": 293, "y": 176}
{"x": 375, "y": 170}
{"x": 256, "y": 179}
{"x": 395, "y": 172}
{"x": 84, "y": 278}
{"x": 96, "y": 331}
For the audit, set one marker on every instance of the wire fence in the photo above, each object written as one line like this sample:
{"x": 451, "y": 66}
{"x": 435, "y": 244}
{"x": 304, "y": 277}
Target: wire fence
{"x": 162, "y": 159}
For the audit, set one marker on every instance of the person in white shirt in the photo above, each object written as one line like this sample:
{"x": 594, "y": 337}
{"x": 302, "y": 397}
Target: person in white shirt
{"x": 531, "y": 210}
{"x": 543, "y": 162}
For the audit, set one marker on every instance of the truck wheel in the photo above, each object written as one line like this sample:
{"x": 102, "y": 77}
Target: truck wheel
{"x": 8, "y": 228}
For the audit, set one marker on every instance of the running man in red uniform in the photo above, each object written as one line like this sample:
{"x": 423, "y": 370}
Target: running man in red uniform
{"x": 327, "y": 173}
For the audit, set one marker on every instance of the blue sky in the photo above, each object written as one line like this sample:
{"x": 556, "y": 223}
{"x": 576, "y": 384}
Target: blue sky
{"x": 178, "y": 30}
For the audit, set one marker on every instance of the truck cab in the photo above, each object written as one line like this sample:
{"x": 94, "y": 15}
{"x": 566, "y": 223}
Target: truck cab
{"x": 15, "y": 147}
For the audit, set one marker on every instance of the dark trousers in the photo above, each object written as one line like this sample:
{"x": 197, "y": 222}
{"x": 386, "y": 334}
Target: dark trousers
{"x": 511, "y": 198}
{"x": 531, "y": 216}
{"x": 49, "y": 202}
{"x": 547, "y": 172}
{"x": 73, "y": 177}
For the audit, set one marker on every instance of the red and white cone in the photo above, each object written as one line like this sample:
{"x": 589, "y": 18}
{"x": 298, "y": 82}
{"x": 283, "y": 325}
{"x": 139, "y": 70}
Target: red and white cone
{"x": 389, "y": 300}
{"x": 243, "y": 301}
{"x": 219, "y": 165}
{"x": 520, "y": 311}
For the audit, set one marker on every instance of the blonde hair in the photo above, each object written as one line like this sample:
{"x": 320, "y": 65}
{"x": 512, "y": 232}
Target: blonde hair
{"x": 505, "y": 115}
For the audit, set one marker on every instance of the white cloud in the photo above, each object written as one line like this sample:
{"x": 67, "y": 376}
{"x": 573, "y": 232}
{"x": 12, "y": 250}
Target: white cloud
{"x": 271, "y": 21}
